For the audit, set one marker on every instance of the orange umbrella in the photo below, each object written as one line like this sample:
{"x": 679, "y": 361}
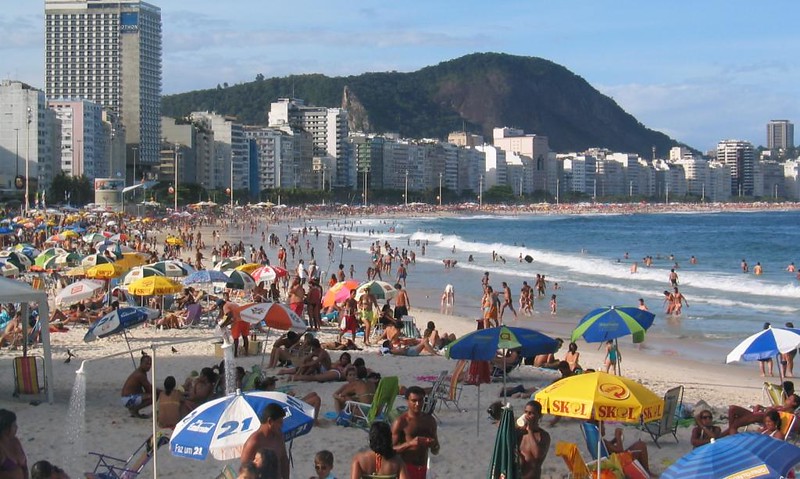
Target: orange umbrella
{"x": 339, "y": 292}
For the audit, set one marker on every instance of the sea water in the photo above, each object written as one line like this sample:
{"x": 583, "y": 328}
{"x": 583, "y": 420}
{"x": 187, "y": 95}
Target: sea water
{"x": 586, "y": 256}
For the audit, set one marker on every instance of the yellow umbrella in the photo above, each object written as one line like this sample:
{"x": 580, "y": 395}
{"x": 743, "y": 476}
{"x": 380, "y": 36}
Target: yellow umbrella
{"x": 105, "y": 271}
{"x": 76, "y": 271}
{"x": 154, "y": 286}
{"x": 174, "y": 241}
{"x": 248, "y": 267}
{"x": 131, "y": 260}
{"x": 603, "y": 397}
{"x": 66, "y": 233}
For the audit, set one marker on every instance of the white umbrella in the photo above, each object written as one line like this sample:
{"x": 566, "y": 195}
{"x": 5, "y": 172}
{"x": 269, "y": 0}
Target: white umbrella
{"x": 78, "y": 291}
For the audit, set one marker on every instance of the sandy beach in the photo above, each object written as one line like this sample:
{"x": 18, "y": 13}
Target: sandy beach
{"x": 45, "y": 429}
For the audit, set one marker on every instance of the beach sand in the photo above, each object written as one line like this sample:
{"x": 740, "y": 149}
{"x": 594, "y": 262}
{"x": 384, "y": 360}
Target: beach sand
{"x": 44, "y": 429}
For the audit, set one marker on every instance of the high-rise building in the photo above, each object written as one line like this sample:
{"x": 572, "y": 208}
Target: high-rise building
{"x": 109, "y": 52}
{"x": 740, "y": 156}
{"x": 780, "y": 135}
{"x": 83, "y": 142}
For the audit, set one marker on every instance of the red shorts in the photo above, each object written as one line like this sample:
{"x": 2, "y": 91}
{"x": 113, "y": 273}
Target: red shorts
{"x": 416, "y": 472}
{"x": 297, "y": 308}
{"x": 350, "y": 324}
{"x": 240, "y": 329}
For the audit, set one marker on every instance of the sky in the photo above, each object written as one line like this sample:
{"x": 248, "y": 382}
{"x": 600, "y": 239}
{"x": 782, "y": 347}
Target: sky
{"x": 699, "y": 71}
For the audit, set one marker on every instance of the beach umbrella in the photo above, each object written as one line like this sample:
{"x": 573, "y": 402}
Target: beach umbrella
{"x": 614, "y": 322}
{"x": 174, "y": 241}
{"x": 248, "y": 267}
{"x": 744, "y": 455}
{"x": 206, "y": 276}
{"x": 173, "y": 269}
{"x": 17, "y": 259}
{"x": 222, "y": 426}
{"x": 78, "y": 291}
{"x": 79, "y": 270}
{"x": 602, "y": 397}
{"x": 105, "y": 271}
{"x": 339, "y": 292}
{"x": 154, "y": 286}
{"x": 274, "y": 315}
{"x": 140, "y": 272}
{"x": 27, "y": 249}
{"x": 268, "y": 273}
{"x": 504, "y": 463}
{"x": 8, "y": 270}
{"x": 229, "y": 263}
{"x": 379, "y": 289}
{"x": 95, "y": 259}
{"x": 765, "y": 344}
{"x": 47, "y": 254}
{"x": 240, "y": 280}
{"x": 118, "y": 321}
{"x": 5, "y": 230}
{"x": 93, "y": 238}
{"x": 60, "y": 261}
{"x": 131, "y": 260}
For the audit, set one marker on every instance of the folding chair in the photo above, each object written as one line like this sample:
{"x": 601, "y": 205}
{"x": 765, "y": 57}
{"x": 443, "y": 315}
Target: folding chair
{"x": 774, "y": 393}
{"x": 591, "y": 434}
{"x": 668, "y": 424}
{"x": 109, "y": 467}
{"x": 788, "y": 423}
{"x": 573, "y": 459}
{"x": 363, "y": 414}
{"x": 228, "y": 472}
{"x": 193, "y": 312}
{"x": 429, "y": 405}
{"x": 450, "y": 392}
{"x": 410, "y": 329}
{"x": 29, "y": 377}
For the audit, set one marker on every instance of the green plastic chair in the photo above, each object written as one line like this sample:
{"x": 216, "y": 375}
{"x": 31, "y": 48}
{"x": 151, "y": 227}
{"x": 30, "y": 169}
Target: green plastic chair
{"x": 363, "y": 414}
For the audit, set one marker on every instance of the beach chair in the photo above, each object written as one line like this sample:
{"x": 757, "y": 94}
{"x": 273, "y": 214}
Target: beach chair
{"x": 410, "y": 329}
{"x": 228, "y": 472}
{"x": 774, "y": 393}
{"x": 29, "y": 377}
{"x": 788, "y": 423}
{"x": 499, "y": 373}
{"x": 109, "y": 467}
{"x": 668, "y": 424}
{"x": 193, "y": 313}
{"x": 362, "y": 414}
{"x": 569, "y": 452}
{"x": 429, "y": 405}
{"x": 591, "y": 435}
{"x": 450, "y": 392}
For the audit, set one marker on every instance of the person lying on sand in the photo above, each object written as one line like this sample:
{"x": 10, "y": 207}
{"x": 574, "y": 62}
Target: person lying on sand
{"x": 318, "y": 360}
{"x": 333, "y": 372}
{"x": 409, "y": 347}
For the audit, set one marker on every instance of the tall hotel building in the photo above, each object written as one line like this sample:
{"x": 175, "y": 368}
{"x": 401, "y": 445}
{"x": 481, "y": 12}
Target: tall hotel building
{"x": 780, "y": 135}
{"x": 109, "y": 52}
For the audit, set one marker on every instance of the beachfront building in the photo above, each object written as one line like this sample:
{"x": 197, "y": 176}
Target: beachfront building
{"x": 719, "y": 190}
{"x": 535, "y": 147}
{"x": 697, "y": 173}
{"x": 230, "y": 165}
{"x": 769, "y": 180}
{"x": 780, "y": 135}
{"x": 196, "y": 161}
{"x": 494, "y": 166}
{"x": 26, "y": 139}
{"x": 84, "y": 139}
{"x": 328, "y": 129}
{"x": 791, "y": 173}
{"x": 464, "y": 139}
{"x": 579, "y": 171}
{"x": 740, "y": 156}
{"x": 109, "y": 52}
{"x": 670, "y": 181}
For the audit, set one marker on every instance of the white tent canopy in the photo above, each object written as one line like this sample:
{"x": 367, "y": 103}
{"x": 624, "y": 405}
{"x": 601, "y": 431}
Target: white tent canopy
{"x": 12, "y": 291}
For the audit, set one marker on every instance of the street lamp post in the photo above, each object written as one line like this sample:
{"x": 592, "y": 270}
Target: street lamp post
{"x": 480, "y": 193}
{"x": 176, "y": 176}
{"x": 440, "y": 189}
{"x": 405, "y": 194}
{"x": 27, "y": 160}
{"x": 231, "y": 183}
{"x": 558, "y": 184}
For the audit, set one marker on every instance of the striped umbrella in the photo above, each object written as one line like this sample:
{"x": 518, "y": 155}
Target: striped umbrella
{"x": 248, "y": 267}
{"x": 274, "y": 315}
{"x": 206, "y": 276}
{"x": 154, "y": 286}
{"x": 140, "y": 272}
{"x": 268, "y": 273}
{"x": 229, "y": 263}
{"x": 240, "y": 280}
{"x": 765, "y": 344}
{"x": 8, "y": 270}
{"x": 173, "y": 269}
{"x": 95, "y": 259}
{"x": 339, "y": 292}
{"x": 614, "y": 322}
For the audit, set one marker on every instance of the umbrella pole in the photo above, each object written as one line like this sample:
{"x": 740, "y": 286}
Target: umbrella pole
{"x": 125, "y": 334}
{"x": 599, "y": 442}
{"x": 505, "y": 354}
{"x": 264, "y": 352}
{"x": 478, "y": 413}
{"x": 619, "y": 357}
{"x": 780, "y": 366}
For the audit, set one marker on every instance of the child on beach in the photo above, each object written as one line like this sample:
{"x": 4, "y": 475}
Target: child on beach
{"x": 323, "y": 464}
{"x": 612, "y": 356}
{"x": 553, "y": 305}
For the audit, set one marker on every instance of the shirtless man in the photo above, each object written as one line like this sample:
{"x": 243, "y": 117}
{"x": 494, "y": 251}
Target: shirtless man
{"x": 414, "y": 433}
{"x": 401, "y": 303}
{"x": 230, "y": 311}
{"x": 678, "y": 300}
{"x": 296, "y": 296}
{"x": 317, "y": 361}
{"x": 673, "y": 277}
{"x": 526, "y": 299}
{"x": 508, "y": 302}
{"x": 269, "y": 436}
{"x": 367, "y": 304}
{"x": 534, "y": 444}
{"x": 348, "y": 311}
{"x": 136, "y": 391}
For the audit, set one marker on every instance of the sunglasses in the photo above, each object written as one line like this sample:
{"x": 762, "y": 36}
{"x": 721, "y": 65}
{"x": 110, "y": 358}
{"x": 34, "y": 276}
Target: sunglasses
{"x": 705, "y": 417}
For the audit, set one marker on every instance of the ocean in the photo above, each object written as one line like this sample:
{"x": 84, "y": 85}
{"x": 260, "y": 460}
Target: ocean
{"x": 590, "y": 258}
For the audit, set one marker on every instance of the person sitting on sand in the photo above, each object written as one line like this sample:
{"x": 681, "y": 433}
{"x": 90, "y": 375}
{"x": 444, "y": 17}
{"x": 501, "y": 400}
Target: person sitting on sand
{"x": 572, "y": 357}
{"x": 740, "y": 417}
{"x": 282, "y": 345}
{"x": 136, "y": 391}
{"x": 356, "y": 389}
{"x": 13, "y": 331}
{"x": 705, "y": 430}
{"x": 436, "y": 340}
{"x": 409, "y": 347}
{"x": 169, "y": 404}
{"x": 346, "y": 345}
{"x": 318, "y": 360}
{"x": 312, "y": 398}
{"x": 330, "y": 373}
{"x": 548, "y": 361}
{"x": 201, "y": 390}
{"x": 772, "y": 425}
{"x": 638, "y": 449}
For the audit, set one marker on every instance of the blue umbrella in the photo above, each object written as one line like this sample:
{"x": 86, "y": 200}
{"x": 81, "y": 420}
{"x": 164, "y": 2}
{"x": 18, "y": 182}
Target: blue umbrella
{"x": 119, "y": 321}
{"x": 765, "y": 344}
{"x": 603, "y": 324}
{"x": 206, "y": 276}
{"x": 6, "y": 231}
{"x": 484, "y": 343}
{"x": 222, "y": 426}
{"x": 748, "y": 454}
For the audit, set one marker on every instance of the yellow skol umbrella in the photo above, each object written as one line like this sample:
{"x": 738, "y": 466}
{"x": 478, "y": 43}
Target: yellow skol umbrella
{"x": 248, "y": 267}
{"x": 174, "y": 241}
{"x": 154, "y": 286}
{"x": 105, "y": 271}
{"x": 76, "y": 271}
{"x": 131, "y": 260}
{"x": 601, "y": 396}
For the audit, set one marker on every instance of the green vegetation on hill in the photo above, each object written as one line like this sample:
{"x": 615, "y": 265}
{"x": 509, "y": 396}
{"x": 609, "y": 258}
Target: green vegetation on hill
{"x": 479, "y": 91}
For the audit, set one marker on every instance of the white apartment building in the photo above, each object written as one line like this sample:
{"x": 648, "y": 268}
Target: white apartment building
{"x": 231, "y": 162}
{"x": 84, "y": 143}
{"x": 109, "y": 52}
{"x": 697, "y": 173}
{"x": 25, "y": 137}
{"x": 791, "y": 173}
{"x": 328, "y": 130}
{"x": 720, "y": 176}
{"x": 535, "y": 147}
{"x": 494, "y": 166}
{"x": 740, "y": 156}
{"x": 579, "y": 173}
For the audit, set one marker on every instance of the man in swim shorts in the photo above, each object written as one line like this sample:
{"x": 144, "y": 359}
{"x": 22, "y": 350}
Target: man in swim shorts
{"x": 136, "y": 391}
{"x": 414, "y": 434}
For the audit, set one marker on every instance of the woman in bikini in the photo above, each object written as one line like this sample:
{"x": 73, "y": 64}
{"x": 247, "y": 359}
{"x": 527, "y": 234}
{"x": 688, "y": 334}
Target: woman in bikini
{"x": 13, "y": 463}
{"x": 381, "y": 458}
{"x": 572, "y": 357}
{"x": 772, "y": 425}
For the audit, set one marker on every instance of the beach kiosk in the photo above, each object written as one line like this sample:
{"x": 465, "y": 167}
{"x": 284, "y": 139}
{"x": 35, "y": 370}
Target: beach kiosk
{"x": 108, "y": 192}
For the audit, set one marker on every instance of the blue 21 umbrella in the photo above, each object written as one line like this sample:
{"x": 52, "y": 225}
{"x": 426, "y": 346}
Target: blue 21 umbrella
{"x": 119, "y": 321}
{"x": 222, "y": 426}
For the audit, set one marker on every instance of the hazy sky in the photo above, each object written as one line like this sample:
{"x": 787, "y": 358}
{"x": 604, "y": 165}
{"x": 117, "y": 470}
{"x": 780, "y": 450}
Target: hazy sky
{"x": 700, "y": 71}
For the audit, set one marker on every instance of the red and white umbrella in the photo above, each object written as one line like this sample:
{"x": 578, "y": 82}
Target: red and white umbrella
{"x": 268, "y": 273}
{"x": 78, "y": 291}
{"x": 274, "y": 315}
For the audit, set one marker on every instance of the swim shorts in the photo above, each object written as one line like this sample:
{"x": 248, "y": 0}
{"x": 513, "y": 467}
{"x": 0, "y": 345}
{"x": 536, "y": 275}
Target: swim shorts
{"x": 131, "y": 401}
{"x": 412, "y": 352}
{"x": 416, "y": 472}
{"x": 297, "y": 308}
{"x": 240, "y": 329}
